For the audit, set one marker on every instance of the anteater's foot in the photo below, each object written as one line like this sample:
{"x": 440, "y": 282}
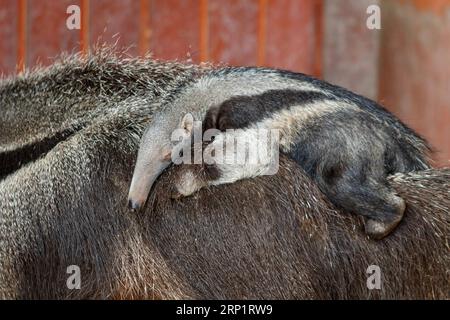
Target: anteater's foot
{"x": 378, "y": 229}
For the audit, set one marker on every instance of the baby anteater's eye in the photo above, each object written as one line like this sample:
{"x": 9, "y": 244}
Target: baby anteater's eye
{"x": 180, "y": 154}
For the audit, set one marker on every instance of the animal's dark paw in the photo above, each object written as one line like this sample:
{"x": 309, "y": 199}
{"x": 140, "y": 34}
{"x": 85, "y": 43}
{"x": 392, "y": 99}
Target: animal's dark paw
{"x": 378, "y": 230}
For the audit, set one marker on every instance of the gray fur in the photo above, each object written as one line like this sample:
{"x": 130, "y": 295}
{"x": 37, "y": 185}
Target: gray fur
{"x": 103, "y": 102}
{"x": 270, "y": 237}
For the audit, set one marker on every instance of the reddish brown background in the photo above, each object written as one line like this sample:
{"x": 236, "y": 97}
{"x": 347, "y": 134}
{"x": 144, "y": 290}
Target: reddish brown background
{"x": 405, "y": 65}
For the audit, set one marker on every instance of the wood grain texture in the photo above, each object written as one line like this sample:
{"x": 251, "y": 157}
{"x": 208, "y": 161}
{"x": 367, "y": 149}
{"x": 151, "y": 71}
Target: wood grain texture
{"x": 8, "y": 36}
{"x": 48, "y": 34}
{"x": 115, "y": 22}
{"x": 233, "y": 31}
{"x": 175, "y": 29}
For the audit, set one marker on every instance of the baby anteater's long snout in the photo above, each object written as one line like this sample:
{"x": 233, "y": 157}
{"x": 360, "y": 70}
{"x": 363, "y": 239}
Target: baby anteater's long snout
{"x": 144, "y": 177}
{"x": 139, "y": 190}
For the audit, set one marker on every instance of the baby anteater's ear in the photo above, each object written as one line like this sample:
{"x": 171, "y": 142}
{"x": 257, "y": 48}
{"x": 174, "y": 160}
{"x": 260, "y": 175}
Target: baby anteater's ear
{"x": 210, "y": 121}
{"x": 187, "y": 123}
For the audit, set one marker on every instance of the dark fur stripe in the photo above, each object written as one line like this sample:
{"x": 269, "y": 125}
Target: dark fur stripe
{"x": 341, "y": 94}
{"x": 241, "y": 111}
{"x": 13, "y": 160}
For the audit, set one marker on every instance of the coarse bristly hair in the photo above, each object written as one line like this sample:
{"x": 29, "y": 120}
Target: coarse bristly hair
{"x": 346, "y": 143}
{"x": 69, "y": 136}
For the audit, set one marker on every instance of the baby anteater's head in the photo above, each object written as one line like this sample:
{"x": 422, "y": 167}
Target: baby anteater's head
{"x": 162, "y": 142}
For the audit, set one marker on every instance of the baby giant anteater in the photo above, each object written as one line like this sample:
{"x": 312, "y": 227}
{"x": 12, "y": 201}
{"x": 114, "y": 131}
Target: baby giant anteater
{"x": 346, "y": 143}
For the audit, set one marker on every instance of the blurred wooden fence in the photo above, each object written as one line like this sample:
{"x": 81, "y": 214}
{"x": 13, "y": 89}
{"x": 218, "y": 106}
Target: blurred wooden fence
{"x": 283, "y": 33}
{"x": 405, "y": 65}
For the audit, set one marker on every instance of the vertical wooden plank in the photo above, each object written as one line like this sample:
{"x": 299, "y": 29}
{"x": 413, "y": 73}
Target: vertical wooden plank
{"x": 22, "y": 30}
{"x": 175, "y": 29}
{"x": 262, "y": 31}
{"x": 291, "y": 35}
{"x": 204, "y": 30}
{"x": 319, "y": 36}
{"x": 144, "y": 26}
{"x": 233, "y": 31}
{"x": 115, "y": 21}
{"x": 48, "y": 34}
{"x": 85, "y": 26}
{"x": 8, "y": 36}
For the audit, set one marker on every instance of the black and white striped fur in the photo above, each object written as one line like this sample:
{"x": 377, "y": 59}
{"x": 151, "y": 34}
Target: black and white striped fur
{"x": 348, "y": 144}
